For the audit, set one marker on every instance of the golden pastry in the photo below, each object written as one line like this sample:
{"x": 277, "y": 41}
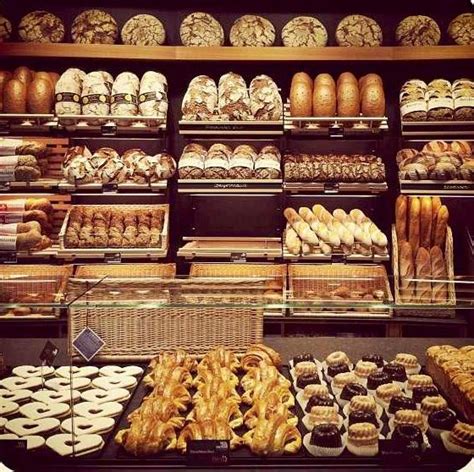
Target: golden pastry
{"x": 386, "y": 392}
{"x": 337, "y": 358}
{"x": 261, "y": 374}
{"x": 259, "y": 352}
{"x": 160, "y": 409}
{"x": 434, "y": 403}
{"x": 318, "y": 390}
{"x": 305, "y": 367}
{"x": 262, "y": 390}
{"x": 462, "y": 435}
{"x": 173, "y": 391}
{"x": 364, "y": 368}
{"x": 216, "y": 388}
{"x": 223, "y": 357}
{"x": 266, "y": 408}
{"x": 323, "y": 415}
{"x": 213, "y": 369}
{"x": 344, "y": 378}
{"x": 363, "y": 439}
{"x": 219, "y": 409}
{"x": 413, "y": 417}
{"x": 178, "y": 358}
{"x": 162, "y": 375}
{"x": 363, "y": 403}
{"x": 419, "y": 380}
{"x": 409, "y": 361}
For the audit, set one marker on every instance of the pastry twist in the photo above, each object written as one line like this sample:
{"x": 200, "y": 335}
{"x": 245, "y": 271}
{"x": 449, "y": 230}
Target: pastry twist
{"x": 160, "y": 409}
{"x": 216, "y": 388}
{"x": 262, "y": 390}
{"x": 212, "y": 370}
{"x": 221, "y": 356}
{"x": 173, "y": 391}
{"x": 178, "y": 358}
{"x": 261, "y": 374}
{"x": 219, "y": 409}
{"x": 266, "y": 408}
{"x": 162, "y": 375}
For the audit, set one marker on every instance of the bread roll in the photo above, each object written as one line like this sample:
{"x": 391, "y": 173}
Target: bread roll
{"x": 406, "y": 271}
{"x": 439, "y": 234}
{"x": 369, "y": 79}
{"x": 301, "y": 103}
{"x": 301, "y": 77}
{"x": 438, "y": 272}
{"x": 40, "y": 96}
{"x": 401, "y": 207}
{"x": 5, "y": 76}
{"x": 324, "y": 100}
{"x": 414, "y": 224}
{"x": 14, "y": 97}
{"x": 347, "y": 77}
{"x": 426, "y": 219}
{"x": 348, "y": 101}
{"x": 292, "y": 241}
{"x": 423, "y": 276}
{"x": 325, "y": 79}
{"x": 23, "y": 74}
{"x": 373, "y": 100}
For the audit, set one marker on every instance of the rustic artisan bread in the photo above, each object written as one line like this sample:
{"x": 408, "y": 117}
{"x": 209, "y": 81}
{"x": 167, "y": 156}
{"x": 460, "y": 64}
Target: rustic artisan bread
{"x": 96, "y": 89}
{"x": 265, "y": 99}
{"x": 418, "y": 30}
{"x": 413, "y": 104}
{"x": 191, "y": 163}
{"x": 68, "y": 92}
{"x": 5, "y": 29}
{"x": 14, "y": 97}
{"x": 359, "y": 31}
{"x": 201, "y": 29}
{"x": 124, "y": 98}
{"x": 41, "y": 27}
{"x": 233, "y": 97}
{"x": 253, "y": 31}
{"x": 153, "y": 95}
{"x": 304, "y": 31}
{"x": 94, "y": 27}
{"x": 301, "y": 95}
{"x": 463, "y": 95}
{"x": 461, "y": 29}
{"x": 440, "y": 100}
{"x": 40, "y": 96}
{"x": 200, "y": 101}
{"x": 143, "y": 30}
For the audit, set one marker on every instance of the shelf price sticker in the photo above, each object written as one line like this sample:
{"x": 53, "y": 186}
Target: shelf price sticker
{"x": 208, "y": 452}
{"x": 88, "y": 343}
{"x": 48, "y": 354}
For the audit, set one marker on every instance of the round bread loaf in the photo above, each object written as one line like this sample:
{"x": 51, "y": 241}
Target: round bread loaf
{"x": 265, "y": 99}
{"x": 462, "y": 148}
{"x": 23, "y": 74}
{"x": 40, "y": 96}
{"x": 461, "y": 29}
{"x": 253, "y": 31}
{"x": 418, "y": 30}
{"x": 436, "y": 146}
{"x": 301, "y": 99}
{"x": 373, "y": 100}
{"x": 41, "y": 27}
{"x": 5, "y": 29}
{"x": 301, "y": 77}
{"x": 324, "y": 100}
{"x": 201, "y": 29}
{"x": 94, "y": 27}
{"x": 325, "y": 79}
{"x": 143, "y": 30}
{"x": 14, "y": 97}
{"x": 304, "y": 31}
{"x": 359, "y": 31}
{"x": 348, "y": 102}
{"x": 5, "y": 76}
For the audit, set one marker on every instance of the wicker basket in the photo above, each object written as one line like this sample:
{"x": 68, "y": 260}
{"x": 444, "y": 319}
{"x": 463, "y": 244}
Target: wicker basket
{"x": 125, "y": 270}
{"x": 320, "y": 279}
{"x": 442, "y": 312}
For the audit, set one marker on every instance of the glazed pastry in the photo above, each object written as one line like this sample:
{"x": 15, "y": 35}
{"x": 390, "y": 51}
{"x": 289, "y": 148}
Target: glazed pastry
{"x": 431, "y": 404}
{"x": 350, "y": 390}
{"x": 363, "y": 439}
{"x": 340, "y": 380}
{"x": 223, "y": 357}
{"x": 337, "y": 358}
{"x": 442, "y": 419}
{"x": 375, "y": 358}
{"x": 462, "y": 435}
{"x": 177, "y": 358}
{"x": 320, "y": 391}
{"x": 396, "y": 372}
{"x": 418, "y": 393}
{"x": 326, "y": 435}
{"x": 307, "y": 379}
{"x": 401, "y": 402}
{"x": 362, "y": 403}
{"x": 306, "y": 367}
{"x": 259, "y": 352}
{"x": 409, "y": 361}
{"x": 334, "y": 370}
{"x": 316, "y": 400}
{"x": 404, "y": 435}
{"x": 261, "y": 374}
{"x": 265, "y": 409}
{"x": 419, "y": 380}
{"x": 387, "y": 391}
{"x": 217, "y": 409}
{"x": 360, "y": 416}
{"x": 376, "y": 379}
{"x": 323, "y": 415}
{"x": 413, "y": 417}
{"x": 262, "y": 390}
{"x": 363, "y": 369}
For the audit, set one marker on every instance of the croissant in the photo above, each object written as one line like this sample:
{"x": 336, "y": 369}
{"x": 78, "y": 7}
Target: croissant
{"x": 178, "y": 358}
{"x": 259, "y": 352}
{"x": 266, "y": 408}
{"x": 262, "y": 390}
{"x": 261, "y": 374}
{"x": 212, "y": 370}
{"x": 220, "y": 409}
{"x": 216, "y": 388}
{"x": 208, "y": 429}
{"x": 173, "y": 391}
{"x": 162, "y": 375}
{"x": 273, "y": 437}
{"x": 159, "y": 409}
{"x": 223, "y": 357}
{"x": 147, "y": 437}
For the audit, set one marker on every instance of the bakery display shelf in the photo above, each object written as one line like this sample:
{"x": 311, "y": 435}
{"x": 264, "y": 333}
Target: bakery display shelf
{"x": 334, "y": 126}
{"x": 13, "y": 257}
{"x": 276, "y": 53}
{"x": 156, "y": 187}
{"x": 12, "y": 123}
{"x": 107, "y": 125}
{"x": 335, "y": 187}
{"x": 335, "y": 257}
{"x": 437, "y": 187}
{"x": 443, "y": 129}
{"x": 235, "y": 249}
{"x": 231, "y": 128}
{"x": 219, "y": 186}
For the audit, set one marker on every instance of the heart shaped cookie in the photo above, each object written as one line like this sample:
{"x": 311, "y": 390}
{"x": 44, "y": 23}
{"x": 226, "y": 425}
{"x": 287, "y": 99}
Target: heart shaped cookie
{"x": 26, "y": 427}
{"x": 98, "y": 410}
{"x": 67, "y": 444}
{"x": 18, "y": 396}
{"x": 51, "y": 396}
{"x": 38, "y": 410}
{"x": 60, "y": 383}
{"x": 115, "y": 370}
{"x": 32, "y": 442}
{"x": 85, "y": 371}
{"x": 8, "y": 408}
{"x": 20, "y": 383}
{"x": 88, "y": 425}
{"x": 27, "y": 371}
{"x": 109, "y": 383}
{"x": 97, "y": 395}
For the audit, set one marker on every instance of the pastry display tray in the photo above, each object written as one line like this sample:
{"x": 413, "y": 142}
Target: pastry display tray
{"x": 12, "y": 123}
{"x": 231, "y": 128}
{"x": 432, "y": 187}
{"x": 335, "y": 257}
{"x": 443, "y": 129}
{"x": 219, "y": 186}
{"x": 335, "y": 187}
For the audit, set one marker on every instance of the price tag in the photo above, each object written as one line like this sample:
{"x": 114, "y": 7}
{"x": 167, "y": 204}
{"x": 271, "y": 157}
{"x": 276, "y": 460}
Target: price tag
{"x": 208, "y": 452}
{"x": 4, "y": 186}
{"x": 338, "y": 258}
{"x": 4, "y": 127}
{"x": 238, "y": 256}
{"x": 109, "y": 129}
{"x": 331, "y": 187}
{"x": 49, "y": 353}
{"x": 12, "y": 448}
{"x": 88, "y": 343}
{"x": 115, "y": 258}
{"x": 336, "y": 131}
{"x": 8, "y": 257}
{"x": 390, "y": 451}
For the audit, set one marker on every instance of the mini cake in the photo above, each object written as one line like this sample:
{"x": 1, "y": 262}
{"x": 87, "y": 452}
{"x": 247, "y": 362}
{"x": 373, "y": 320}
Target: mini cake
{"x": 326, "y": 435}
{"x": 387, "y": 391}
{"x": 362, "y": 403}
{"x": 419, "y": 380}
{"x": 319, "y": 390}
{"x": 323, "y": 415}
{"x": 351, "y": 390}
{"x": 431, "y": 404}
{"x": 316, "y": 400}
{"x": 363, "y": 439}
{"x": 396, "y": 371}
{"x": 400, "y": 402}
{"x": 333, "y": 370}
{"x": 413, "y": 417}
{"x": 363, "y": 369}
{"x": 418, "y": 393}
{"x": 341, "y": 380}
{"x": 442, "y": 419}
{"x": 337, "y": 358}
{"x": 409, "y": 361}
{"x": 305, "y": 367}
{"x": 306, "y": 357}
{"x": 359, "y": 416}
{"x": 307, "y": 379}
{"x": 405, "y": 434}
{"x": 462, "y": 435}
{"x": 375, "y": 358}
{"x": 376, "y": 379}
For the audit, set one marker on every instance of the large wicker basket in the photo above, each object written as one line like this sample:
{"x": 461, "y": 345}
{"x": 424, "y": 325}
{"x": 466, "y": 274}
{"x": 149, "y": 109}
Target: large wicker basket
{"x": 310, "y": 282}
{"x": 409, "y": 309}
{"x": 95, "y": 271}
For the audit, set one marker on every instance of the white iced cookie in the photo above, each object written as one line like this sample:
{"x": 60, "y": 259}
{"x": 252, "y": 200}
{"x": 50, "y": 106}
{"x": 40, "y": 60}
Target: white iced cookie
{"x": 115, "y": 370}
{"x": 88, "y": 425}
{"x": 26, "y": 427}
{"x": 97, "y": 395}
{"x": 38, "y": 410}
{"x": 27, "y": 371}
{"x": 60, "y": 383}
{"x": 109, "y": 383}
{"x": 20, "y": 383}
{"x": 85, "y": 371}
{"x": 8, "y": 408}
{"x": 18, "y": 396}
{"x": 98, "y": 410}
{"x": 66, "y": 444}
{"x": 32, "y": 442}
{"x": 50, "y": 396}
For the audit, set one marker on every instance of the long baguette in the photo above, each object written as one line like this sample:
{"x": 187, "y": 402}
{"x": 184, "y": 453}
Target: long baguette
{"x": 435, "y": 206}
{"x": 426, "y": 219}
{"x": 401, "y": 206}
{"x": 423, "y": 276}
{"x": 292, "y": 241}
{"x": 441, "y": 226}
{"x": 329, "y": 237}
{"x": 302, "y": 228}
{"x": 407, "y": 272}
{"x": 414, "y": 224}
{"x": 439, "y": 272}
{"x": 322, "y": 214}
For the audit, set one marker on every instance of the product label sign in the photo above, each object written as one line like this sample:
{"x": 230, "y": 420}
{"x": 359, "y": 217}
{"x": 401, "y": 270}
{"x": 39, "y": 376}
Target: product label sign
{"x": 88, "y": 343}
{"x": 12, "y": 448}
{"x": 208, "y": 452}
{"x": 390, "y": 451}
{"x": 49, "y": 353}
{"x": 238, "y": 257}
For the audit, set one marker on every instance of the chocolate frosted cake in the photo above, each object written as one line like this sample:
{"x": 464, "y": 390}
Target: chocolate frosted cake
{"x": 351, "y": 390}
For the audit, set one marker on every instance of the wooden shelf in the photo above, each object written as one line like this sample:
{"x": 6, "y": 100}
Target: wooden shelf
{"x": 226, "y": 53}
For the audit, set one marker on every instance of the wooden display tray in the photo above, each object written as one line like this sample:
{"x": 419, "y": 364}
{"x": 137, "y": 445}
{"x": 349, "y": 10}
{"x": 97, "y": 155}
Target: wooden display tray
{"x": 231, "y": 128}
{"x": 230, "y": 186}
{"x": 335, "y": 187}
{"x": 238, "y": 249}
{"x": 11, "y": 123}
{"x": 443, "y": 129}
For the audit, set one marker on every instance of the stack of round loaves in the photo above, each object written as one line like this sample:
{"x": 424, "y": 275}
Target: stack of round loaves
{"x": 106, "y": 166}
{"x": 438, "y": 101}
{"x": 97, "y": 93}
{"x": 221, "y": 162}
{"x": 348, "y": 97}
{"x": 205, "y": 101}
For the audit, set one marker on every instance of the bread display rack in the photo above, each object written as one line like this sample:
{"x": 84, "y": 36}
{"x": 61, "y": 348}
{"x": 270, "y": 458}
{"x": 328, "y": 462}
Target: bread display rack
{"x": 13, "y": 123}
{"x": 443, "y": 129}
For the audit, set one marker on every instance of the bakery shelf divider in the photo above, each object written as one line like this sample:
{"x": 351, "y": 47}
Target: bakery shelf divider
{"x": 24, "y": 123}
{"x": 231, "y": 128}
{"x": 335, "y": 187}
{"x": 437, "y": 187}
{"x": 444, "y": 129}
{"x": 219, "y": 186}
